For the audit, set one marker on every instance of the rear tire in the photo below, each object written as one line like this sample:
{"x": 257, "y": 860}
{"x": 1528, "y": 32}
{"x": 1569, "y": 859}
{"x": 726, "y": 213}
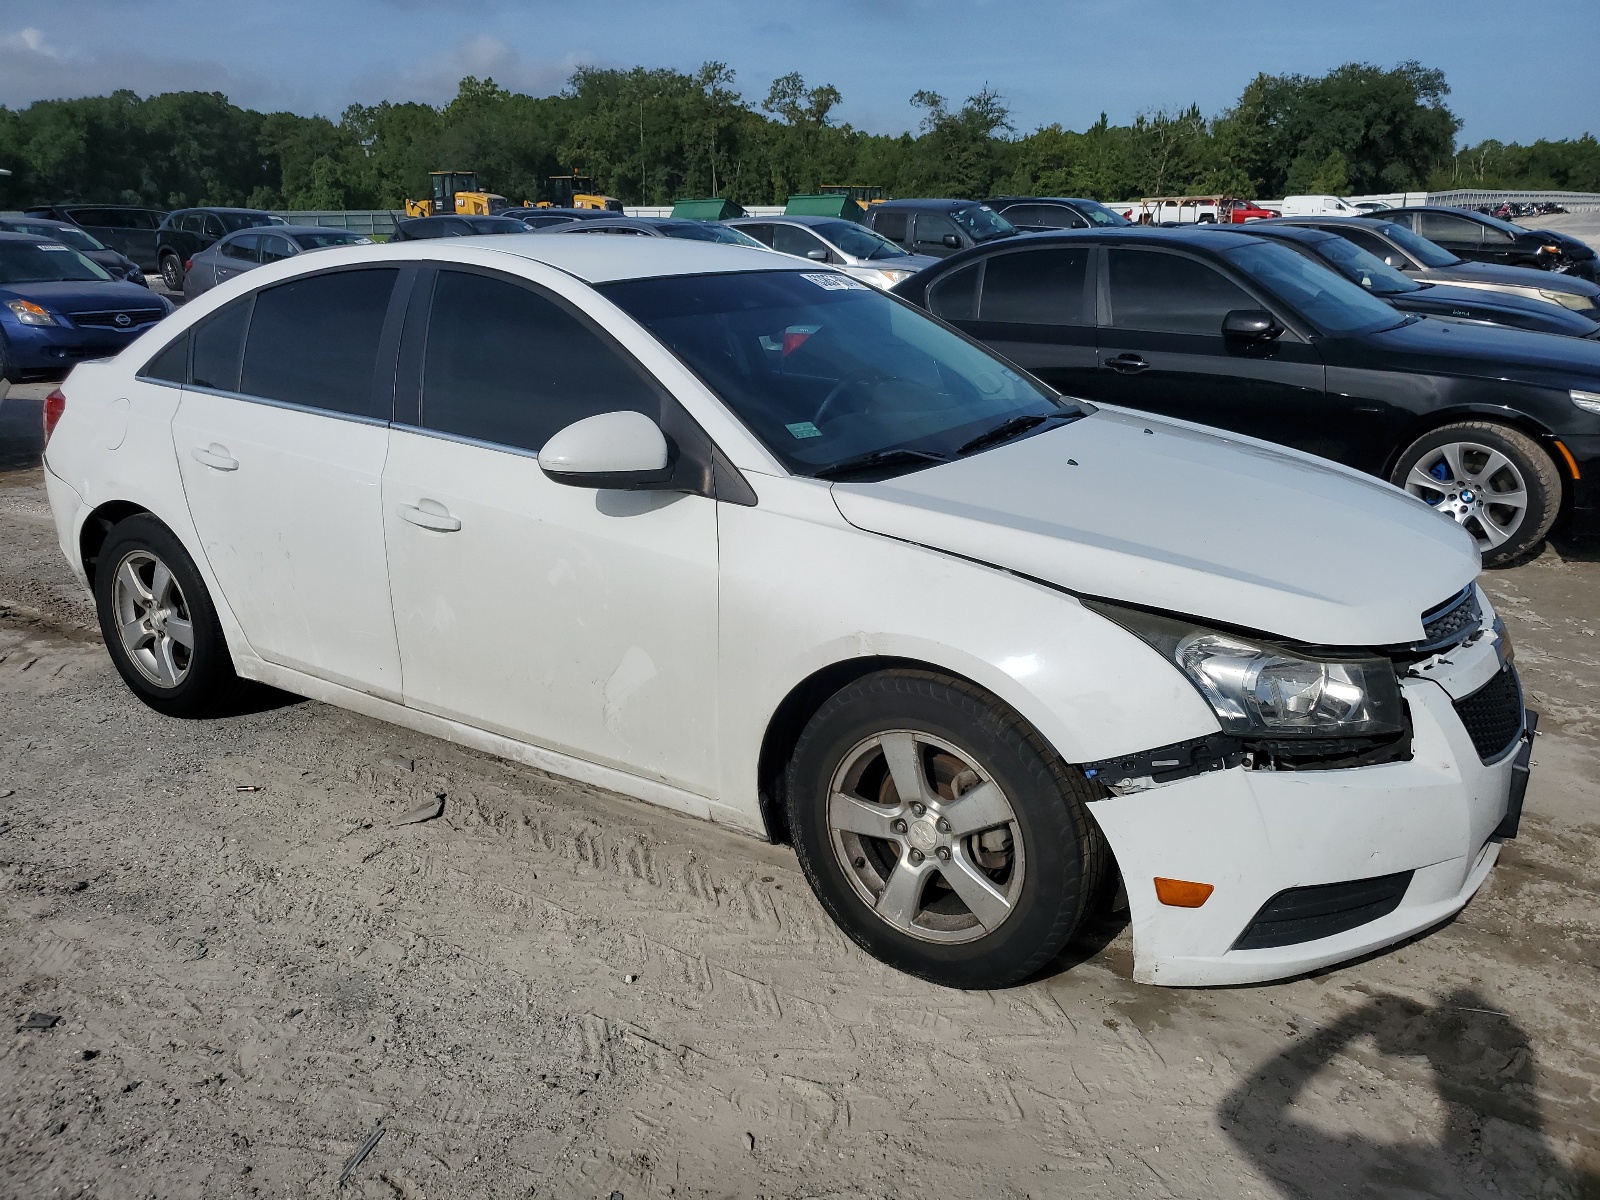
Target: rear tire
{"x": 172, "y": 272}
{"x": 1497, "y": 482}
{"x": 159, "y": 624}
{"x": 981, "y": 879}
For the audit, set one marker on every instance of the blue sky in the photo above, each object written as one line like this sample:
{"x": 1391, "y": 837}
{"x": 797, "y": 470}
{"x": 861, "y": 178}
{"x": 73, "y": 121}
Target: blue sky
{"x": 1514, "y": 76}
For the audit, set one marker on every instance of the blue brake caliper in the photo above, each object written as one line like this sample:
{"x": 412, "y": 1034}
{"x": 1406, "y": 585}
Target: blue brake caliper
{"x": 1440, "y": 471}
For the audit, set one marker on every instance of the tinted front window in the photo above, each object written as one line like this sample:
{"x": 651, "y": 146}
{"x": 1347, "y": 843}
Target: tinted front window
{"x": 218, "y": 347}
{"x": 790, "y": 239}
{"x": 275, "y": 248}
{"x": 45, "y": 262}
{"x": 1099, "y": 214}
{"x": 1167, "y": 293}
{"x": 1420, "y": 249}
{"x": 982, "y": 223}
{"x": 315, "y": 341}
{"x": 1036, "y": 287}
{"x": 506, "y": 365}
{"x": 1442, "y": 227}
{"x": 1331, "y": 303}
{"x": 824, "y": 369}
{"x": 1369, "y": 242}
{"x": 933, "y": 228}
{"x": 1358, "y": 266}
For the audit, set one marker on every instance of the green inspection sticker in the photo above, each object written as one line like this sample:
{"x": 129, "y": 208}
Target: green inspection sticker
{"x": 803, "y": 429}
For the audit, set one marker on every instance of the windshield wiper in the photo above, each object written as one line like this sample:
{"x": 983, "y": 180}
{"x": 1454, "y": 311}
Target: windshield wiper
{"x": 879, "y": 458}
{"x": 1009, "y": 429}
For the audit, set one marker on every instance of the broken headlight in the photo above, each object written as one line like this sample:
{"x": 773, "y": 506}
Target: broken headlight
{"x": 1269, "y": 689}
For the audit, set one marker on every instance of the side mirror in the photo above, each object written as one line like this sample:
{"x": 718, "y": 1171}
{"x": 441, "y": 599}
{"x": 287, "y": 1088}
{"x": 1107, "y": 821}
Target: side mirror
{"x": 817, "y": 255}
{"x": 1255, "y": 324}
{"x": 618, "y": 450}
{"x": 952, "y": 241}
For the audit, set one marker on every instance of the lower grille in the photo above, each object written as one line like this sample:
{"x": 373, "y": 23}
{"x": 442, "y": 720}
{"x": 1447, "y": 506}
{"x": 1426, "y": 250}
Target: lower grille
{"x": 1493, "y": 715}
{"x": 1453, "y": 621}
{"x": 108, "y": 320}
{"x": 1305, "y": 914}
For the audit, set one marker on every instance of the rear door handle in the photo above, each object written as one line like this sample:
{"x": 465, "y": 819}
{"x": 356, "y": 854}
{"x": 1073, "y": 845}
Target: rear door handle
{"x": 430, "y": 514}
{"x": 216, "y": 457}
{"x": 1127, "y": 363}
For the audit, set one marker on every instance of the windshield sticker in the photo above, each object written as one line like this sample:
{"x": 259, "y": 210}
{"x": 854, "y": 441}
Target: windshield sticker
{"x": 53, "y": 246}
{"x": 832, "y": 282}
{"x": 804, "y": 429}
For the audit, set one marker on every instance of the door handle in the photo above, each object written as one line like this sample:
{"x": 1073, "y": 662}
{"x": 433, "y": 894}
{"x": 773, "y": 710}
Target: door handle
{"x": 216, "y": 457}
{"x": 1126, "y": 363}
{"x": 430, "y": 514}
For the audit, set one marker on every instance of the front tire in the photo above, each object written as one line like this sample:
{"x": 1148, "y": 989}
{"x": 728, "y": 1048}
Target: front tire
{"x": 1497, "y": 482}
{"x": 940, "y": 831}
{"x": 159, "y": 624}
{"x": 172, "y": 272}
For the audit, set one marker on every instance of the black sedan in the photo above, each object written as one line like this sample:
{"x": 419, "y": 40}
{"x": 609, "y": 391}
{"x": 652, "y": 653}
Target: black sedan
{"x": 1481, "y": 238}
{"x": 1432, "y": 299}
{"x": 113, "y": 262}
{"x": 1426, "y": 262}
{"x": 1499, "y": 428}
{"x": 422, "y": 228}
{"x": 1032, "y": 214}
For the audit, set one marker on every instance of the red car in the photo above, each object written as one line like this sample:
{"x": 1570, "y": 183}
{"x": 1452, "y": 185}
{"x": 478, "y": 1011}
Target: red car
{"x": 1240, "y": 211}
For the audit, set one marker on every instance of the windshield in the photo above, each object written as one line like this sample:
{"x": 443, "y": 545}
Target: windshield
{"x": 1331, "y": 303}
{"x": 708, "y": 231}
{"x": 333, "y": 237}
{"x": 1370, "y": 271}
{"x": 1099, "y": 214}
{"x": 1426, "y": 253}
{"x": 45, "y": 262}
{"x": 76, "y": 238}
{"x": 858, "y": 241}
{"x": 236, "y": 220}
{"x": 824, "y": 369}
{"x": 982, "y": 223}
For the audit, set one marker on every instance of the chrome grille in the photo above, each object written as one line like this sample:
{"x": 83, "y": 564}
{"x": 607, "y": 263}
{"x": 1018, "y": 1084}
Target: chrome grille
{"x": 135, "y": 317}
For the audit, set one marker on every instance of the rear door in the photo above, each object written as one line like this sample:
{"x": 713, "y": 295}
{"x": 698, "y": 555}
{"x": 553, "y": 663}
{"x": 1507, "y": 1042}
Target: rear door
{"x": 281, "y": 438}
{"x": 1034, "y": 306}
{"x": 894, "y": 224}
{"x": 1162, "y": 350}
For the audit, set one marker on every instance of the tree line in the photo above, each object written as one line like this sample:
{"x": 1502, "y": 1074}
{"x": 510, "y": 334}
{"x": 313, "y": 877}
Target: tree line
{"x": 650, "y": 136}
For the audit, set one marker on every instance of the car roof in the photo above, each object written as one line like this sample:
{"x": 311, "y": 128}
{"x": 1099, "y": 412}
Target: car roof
{"x": 592, "y": 259}
{"x": 209, "y": 208}
{"x": 1212, "y": 237}
{"x": 1303, "y": 219}
{"x": 946, "y": 205}
{"x": 291, "y": 230}
{"x": 793, "y": 219}
{"x": 1042, "y": 200}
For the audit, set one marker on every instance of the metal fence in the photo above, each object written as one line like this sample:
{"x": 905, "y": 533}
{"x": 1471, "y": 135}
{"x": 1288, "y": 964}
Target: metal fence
{"x": 377, "y": 222}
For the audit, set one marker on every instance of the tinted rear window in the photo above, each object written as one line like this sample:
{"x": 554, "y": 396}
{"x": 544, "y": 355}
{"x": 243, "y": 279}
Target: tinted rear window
{"x": 315, "y": 341}
{"x": 218, "y": 347}
{"x": 1036, "y": 287}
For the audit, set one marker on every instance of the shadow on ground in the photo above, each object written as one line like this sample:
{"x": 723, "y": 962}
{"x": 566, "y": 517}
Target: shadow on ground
{"x": 1492, "y": 1142}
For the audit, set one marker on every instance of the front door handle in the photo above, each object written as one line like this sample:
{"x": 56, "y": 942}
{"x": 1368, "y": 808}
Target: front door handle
{"x": 216, "y": 457}
{"x": 1126, "y": 363}
{"x": 430, "y": 514}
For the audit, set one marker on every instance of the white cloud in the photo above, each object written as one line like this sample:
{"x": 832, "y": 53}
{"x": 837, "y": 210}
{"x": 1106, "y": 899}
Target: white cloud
{"x": 434, "y": 80}
{"x": 33, "y": 68}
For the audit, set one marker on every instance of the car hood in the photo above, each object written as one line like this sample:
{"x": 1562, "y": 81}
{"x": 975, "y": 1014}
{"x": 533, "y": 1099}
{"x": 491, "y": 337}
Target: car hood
{"x": 1509, "y": 277}
{"x": 75, "y": 297}
{"x": 903, "y": 262}
{"x": 1441, "y": 297}
{"x": 1171, "y": 516}
{"x": 1491, "y": 351}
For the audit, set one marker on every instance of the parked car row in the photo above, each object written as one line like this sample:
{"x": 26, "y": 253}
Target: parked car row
{"x": 737, "y": 533}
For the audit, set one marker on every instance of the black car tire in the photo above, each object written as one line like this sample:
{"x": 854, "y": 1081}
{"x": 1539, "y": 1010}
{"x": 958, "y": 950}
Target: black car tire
{"x": 1527, "y": 463}
{"x": 205, "y": 683}
{"x": 172, "y": 272}
{"x": 1047, "y": 855}
{"x": 7, "y": 368}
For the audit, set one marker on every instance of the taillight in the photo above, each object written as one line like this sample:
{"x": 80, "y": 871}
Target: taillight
{"x": 54, "y": 405}
{"x": 188, "y": 265}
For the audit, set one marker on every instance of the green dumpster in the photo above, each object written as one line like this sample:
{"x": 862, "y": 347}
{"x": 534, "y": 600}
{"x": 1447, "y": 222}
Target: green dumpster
{"x": 706, "y": 210}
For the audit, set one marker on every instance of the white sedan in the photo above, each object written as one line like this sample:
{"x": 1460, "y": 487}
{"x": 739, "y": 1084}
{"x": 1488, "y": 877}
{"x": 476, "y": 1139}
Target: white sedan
{"x": 743, "y": 537}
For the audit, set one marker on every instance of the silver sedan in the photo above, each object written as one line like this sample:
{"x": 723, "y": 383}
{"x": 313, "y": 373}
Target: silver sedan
{"x": 246, "y": 248}
{"x": 855, "y": 249}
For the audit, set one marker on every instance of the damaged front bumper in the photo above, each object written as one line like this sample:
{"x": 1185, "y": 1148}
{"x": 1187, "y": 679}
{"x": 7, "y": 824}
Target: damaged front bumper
{"x": 1314, "y": 867}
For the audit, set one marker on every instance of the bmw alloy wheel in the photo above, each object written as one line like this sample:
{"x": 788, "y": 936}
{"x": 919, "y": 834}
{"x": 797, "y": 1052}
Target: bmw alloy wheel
{"x": 1477, "y": 485}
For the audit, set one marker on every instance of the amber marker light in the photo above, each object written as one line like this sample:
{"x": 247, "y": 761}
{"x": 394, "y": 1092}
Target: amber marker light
{"x": 1180, "y": 893}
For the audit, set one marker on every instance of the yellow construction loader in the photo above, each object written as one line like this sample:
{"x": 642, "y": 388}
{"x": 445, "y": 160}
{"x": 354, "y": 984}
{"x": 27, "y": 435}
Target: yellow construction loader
{"x": 457, "y": 192}
{"x": 577, "y": 191}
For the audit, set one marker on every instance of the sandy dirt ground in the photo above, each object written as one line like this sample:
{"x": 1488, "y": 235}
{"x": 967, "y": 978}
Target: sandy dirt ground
{"x": 551, "y": 992}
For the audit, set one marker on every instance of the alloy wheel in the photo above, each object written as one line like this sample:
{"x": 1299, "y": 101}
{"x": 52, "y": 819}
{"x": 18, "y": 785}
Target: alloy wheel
{"x": 927, "y": 839}
{"x": 1477, "y": 485}
{"x": 153, "y": 620}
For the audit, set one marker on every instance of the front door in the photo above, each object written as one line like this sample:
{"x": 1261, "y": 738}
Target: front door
{"x": 280, "y": 439}
{"x": 1036, "y": 307}
{"x": 1459, "y": 235}
{"x": 580, "y": 620}
{"x": 1162, "y": 350}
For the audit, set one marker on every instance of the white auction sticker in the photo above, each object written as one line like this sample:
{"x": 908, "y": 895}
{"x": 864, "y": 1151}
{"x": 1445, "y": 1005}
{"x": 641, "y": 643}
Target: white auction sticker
{"x": 836, "y": 283}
